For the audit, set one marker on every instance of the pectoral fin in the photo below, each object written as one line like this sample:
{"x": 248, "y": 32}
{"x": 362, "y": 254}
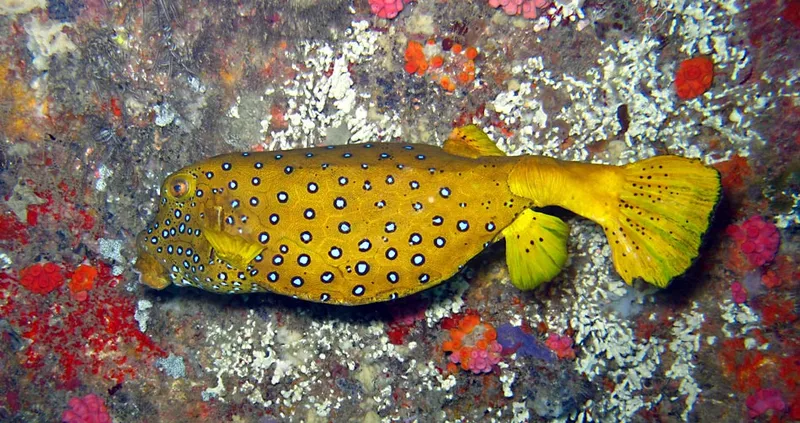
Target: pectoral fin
{"x": 536, "y": 248}
{"x": 234, "y": 250}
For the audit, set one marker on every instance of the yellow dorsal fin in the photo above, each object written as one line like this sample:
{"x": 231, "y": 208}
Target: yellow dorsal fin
{"x": 235, "y": 250}
{"x": 470, "y": 141}
{"x": 536, "y": 248}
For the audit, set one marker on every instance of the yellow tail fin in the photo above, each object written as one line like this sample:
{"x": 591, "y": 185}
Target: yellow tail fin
{"x": 654, "y": 212}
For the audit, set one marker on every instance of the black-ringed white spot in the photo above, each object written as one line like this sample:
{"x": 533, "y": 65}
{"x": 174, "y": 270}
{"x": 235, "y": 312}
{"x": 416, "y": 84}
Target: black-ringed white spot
{"x": 417, "y": 206}
{"x": 234, "y": 204}
{"x": 490, "y": 226}
{"x": 274, "y": 218}
{"x": 462, "y": 225}
{"x": 222, "y": 276}
{"x": 344, "y": 227}
{"x": 364, "y": 245}
{"x": 326, "y": 277}
{"x": 233, "y": 184}
{"x": 418, "y": 259}
{"x": 306, "y": 237}
{"x": 437, "y": 220}
{"x": 288, "y": 170}
{"x": 284, "y": 248}
{"x": 415, "y": 239}
{"x": 324, "y": 297}
{"x": 390, "y": 227}
{"x": 392, "y": 277}
{"x": 309, "y": 155}
{"x": 283, "y": 197}
{"x": 309, "y": 213}
{"x": 226, "y": 166}
{"x": 439, "y": 242}
{"x": 209, "y": 174}
{"x": 198, "y": 193}
{"x": 277, "y": 259}
{"x": 273, "y": 276}
{"x": 256, "y": 181}
{"x": 177, "y": 213}
{"x": 335, "y": 252}
{"x": 359, "y": 290}
{"x": 342, "y": 181}
{"x": 408, "y": 147}
{"x": 380, "y": 204}
{"x": 258, "y": 165}
{"x": 297, "y": 282}
{"x": 390, "y": 179}
{"x": 253, "y": 201}
{"x": 420, "y": 157}
{"x": 445, "y": 192}
{"x": 347, "y": 155}
{"x": 364, "y": 166}
{"x": 391, "y": 253}
{"x": 229, "y": 220}
{"x": 339, "y": 203}
{"x": 303, "y": 260}
{"x": 385, "y": 155}
{"x": 367, "y": 186}
{"x": 362, "y": 268}
{"x": 424, "y": 277}
{"x": 313, "y": 187}
{"x": 278, "y": 156}
{"x": 414, "y": 184}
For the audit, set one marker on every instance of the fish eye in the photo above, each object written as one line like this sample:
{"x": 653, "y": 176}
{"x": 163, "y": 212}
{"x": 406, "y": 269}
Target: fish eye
{"x": 177, "y": 187}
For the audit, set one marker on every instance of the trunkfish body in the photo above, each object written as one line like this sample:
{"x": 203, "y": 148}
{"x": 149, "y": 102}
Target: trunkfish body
{"x": 373, "y": 222}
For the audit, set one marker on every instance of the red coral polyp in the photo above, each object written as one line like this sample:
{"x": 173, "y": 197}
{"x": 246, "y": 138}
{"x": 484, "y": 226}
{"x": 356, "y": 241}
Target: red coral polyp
{"x": 41, "y": 278}
{"x": 694, "y": 77}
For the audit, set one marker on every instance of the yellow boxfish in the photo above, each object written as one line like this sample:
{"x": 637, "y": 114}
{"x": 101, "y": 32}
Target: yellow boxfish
{"x": 364, "y": 223}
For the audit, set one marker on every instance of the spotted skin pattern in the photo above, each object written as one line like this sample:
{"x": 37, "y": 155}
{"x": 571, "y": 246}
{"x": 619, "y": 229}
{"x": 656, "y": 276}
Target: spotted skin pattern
{"x": 346, "y": 225}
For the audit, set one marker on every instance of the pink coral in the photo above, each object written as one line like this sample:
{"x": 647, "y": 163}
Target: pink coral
{"x": 757, "y": 239}
{"x": 473, "y": 345}
{"x": 765, "y": 400}
{"x": 738, "y": 293}
{"x": 561, "y": 345}
{"x": 387, "y": 9}
{"x": 526, "y": 8}
{"x": 88, "y": 409}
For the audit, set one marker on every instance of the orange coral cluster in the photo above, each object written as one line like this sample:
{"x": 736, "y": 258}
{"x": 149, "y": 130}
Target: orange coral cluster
{"x": 82, "y": 281}
{"x": 450, "y": 64}
{"x": 473, "y": 345}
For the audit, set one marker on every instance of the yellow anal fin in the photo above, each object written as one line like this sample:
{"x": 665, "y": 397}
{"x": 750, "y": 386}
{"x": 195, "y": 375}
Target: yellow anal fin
{"x": 470, "y": 141}
{"x": 664, "y": 208}
{"x": 536, "y": 248}
{"x": 234, "y": 250}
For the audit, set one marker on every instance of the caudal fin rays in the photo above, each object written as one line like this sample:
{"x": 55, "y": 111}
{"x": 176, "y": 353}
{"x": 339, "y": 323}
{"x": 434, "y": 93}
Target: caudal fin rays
{"x": 664, "y": 207}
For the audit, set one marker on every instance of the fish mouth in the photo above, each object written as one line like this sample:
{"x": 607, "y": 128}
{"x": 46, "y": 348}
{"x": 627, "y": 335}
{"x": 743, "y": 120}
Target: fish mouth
{"x": 150, "y": 271}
